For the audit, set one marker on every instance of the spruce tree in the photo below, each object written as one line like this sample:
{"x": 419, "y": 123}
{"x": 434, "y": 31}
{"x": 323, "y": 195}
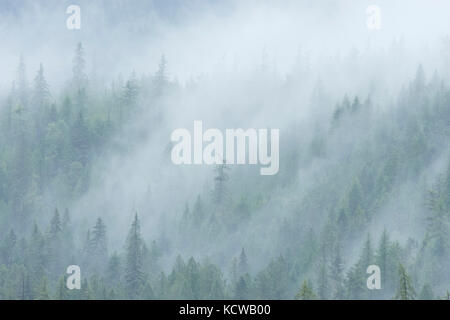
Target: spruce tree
{"x": 306, "y": 292}
{"x": 41, "y": 93}
{"x": 220, "y": 193}
{"x": 243, "y": 264}
{"x": 79, "y": 64}
{"x": 242, "y": 290}
{"x": 43, "y": 292}
{"x": 405, "y": 289}
{"x": 134, "y": 275}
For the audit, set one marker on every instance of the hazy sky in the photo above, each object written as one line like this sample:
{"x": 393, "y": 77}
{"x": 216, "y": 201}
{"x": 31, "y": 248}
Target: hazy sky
{"x": 205, "y": 36}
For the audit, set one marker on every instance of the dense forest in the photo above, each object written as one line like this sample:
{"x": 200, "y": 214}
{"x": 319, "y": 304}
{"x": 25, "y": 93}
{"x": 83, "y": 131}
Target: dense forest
{"x": 86, "y": 177}
{"x": 51, "y": 141}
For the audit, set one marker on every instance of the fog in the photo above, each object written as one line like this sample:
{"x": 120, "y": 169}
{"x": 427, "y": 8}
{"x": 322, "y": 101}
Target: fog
{"x": 287, "y": 65}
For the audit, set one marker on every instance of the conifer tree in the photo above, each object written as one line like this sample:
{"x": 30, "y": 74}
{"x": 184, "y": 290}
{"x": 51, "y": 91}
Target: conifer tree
{"x": 426, "y": 293}
{"x": 337, "y": 272}
{"x": 405, "y": 289}
{"x": 134, "y": 275}
{"x": 242, "y": 290}
{"x": 22, "y": 85}
{"x": 382, "y": 259}
{"x": 41, "y": 93}
{"x": 43, "y": 292}
{"x": 306, "y": 292}
{"x": 243, "y": 264}
{"x": 220, "y": 193}
{"x": 160, "y": 80}
{"x": 79, "y": 64}
{"x": 99, "y": 239}
{"x": 62, "y": 291}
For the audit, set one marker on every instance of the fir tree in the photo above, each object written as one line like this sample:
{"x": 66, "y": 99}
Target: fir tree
{"x": 41, "y": 93}
{"x": 134, "y": 275}
{"x": 220, "y": 193}
{"x": 79, "y": 64}
{"x": 306, "y": 292}
{"x": 43, "y": 293}
{"x": 405, "y": 289}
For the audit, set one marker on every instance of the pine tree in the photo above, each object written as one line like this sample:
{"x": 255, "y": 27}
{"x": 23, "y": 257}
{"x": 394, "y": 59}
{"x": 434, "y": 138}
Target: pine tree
{"x": 79, "y": 76}
{"x": 62, "y": 291}
{"x": 129, "y": 98}
{"x": 242, "y": 290}
{"x": 306, "y": 292}
{"x": 322, "y": 282}
{"x": 220, "y": 193}
{"x": 160, "y": 80}
{"x": 21, "y": 175}
{"x": 43, "y": 293}
{"x": 405, "y": 289}
{"x": 243, "y": 264}
{"x": 147, "y": 292}
{"x": 27, "y": 290}
{"x": 439, "y": 219}
{"x": 22, "y": 84}
{"x": 426, "y": 293}
{"x": 8, "y": 248}
{"x": 337, "y": 272}
{"x": 67, "y": 110}
{"x": 323, "y": 285}
{"x": 134, "y": 275}
{"x": 41, "y": 93}
{"x": 114, "y": 272}
{"x": 382, "y": 260}
{"x": 86, "y": 292}
{"x": 55, "y": 226}
{"x": 80, "y": 137}
{"x": 198, "y": 212}
{"x": 99, "y": 239}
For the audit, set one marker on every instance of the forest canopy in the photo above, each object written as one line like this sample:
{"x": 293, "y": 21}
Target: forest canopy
{"x": 87, "y": 179}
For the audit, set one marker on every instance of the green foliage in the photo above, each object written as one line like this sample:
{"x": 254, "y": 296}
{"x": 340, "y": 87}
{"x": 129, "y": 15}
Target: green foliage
{"x": 405, "y": 289}
{"x": 49, "y": 143}
{"x": 305, "y": 292}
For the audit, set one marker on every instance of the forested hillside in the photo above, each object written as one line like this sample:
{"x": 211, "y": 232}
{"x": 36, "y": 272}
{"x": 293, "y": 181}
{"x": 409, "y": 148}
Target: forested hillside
{"x": 87, "y": 178}
{"x": 51, "y": 142}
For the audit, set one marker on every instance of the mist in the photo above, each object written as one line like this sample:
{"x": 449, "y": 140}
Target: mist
{"x": 363, "y": 116}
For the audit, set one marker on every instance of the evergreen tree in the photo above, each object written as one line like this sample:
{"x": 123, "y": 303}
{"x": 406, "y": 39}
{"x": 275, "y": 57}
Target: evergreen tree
{"x": 337, "y": 272}
{"x": 161, "y": 80}
{"x": 98, "y": 244}
{"x": 242, "y": 290}
{"x": 129, "y": 98}
{"x": 426, "y": 293}
{"x": 382, "y": 260}
{"x": 79, "y": 64}
{"x": 41, "y": 93}
{"x": 43, "y": 292}
{"x": 22, "y": 84}
{"x": 55, "y": 226}
{"x": 405, "y": 289}
{"x": 243, "y": 264}
{"x": 306, "y": 292}
{"x": 134, "y": 275}
{"x": 62, "y": 291}
{"x": 220, "y": 193}
{"x": 114, "y": 272}
{"x": 80, "y": 137}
